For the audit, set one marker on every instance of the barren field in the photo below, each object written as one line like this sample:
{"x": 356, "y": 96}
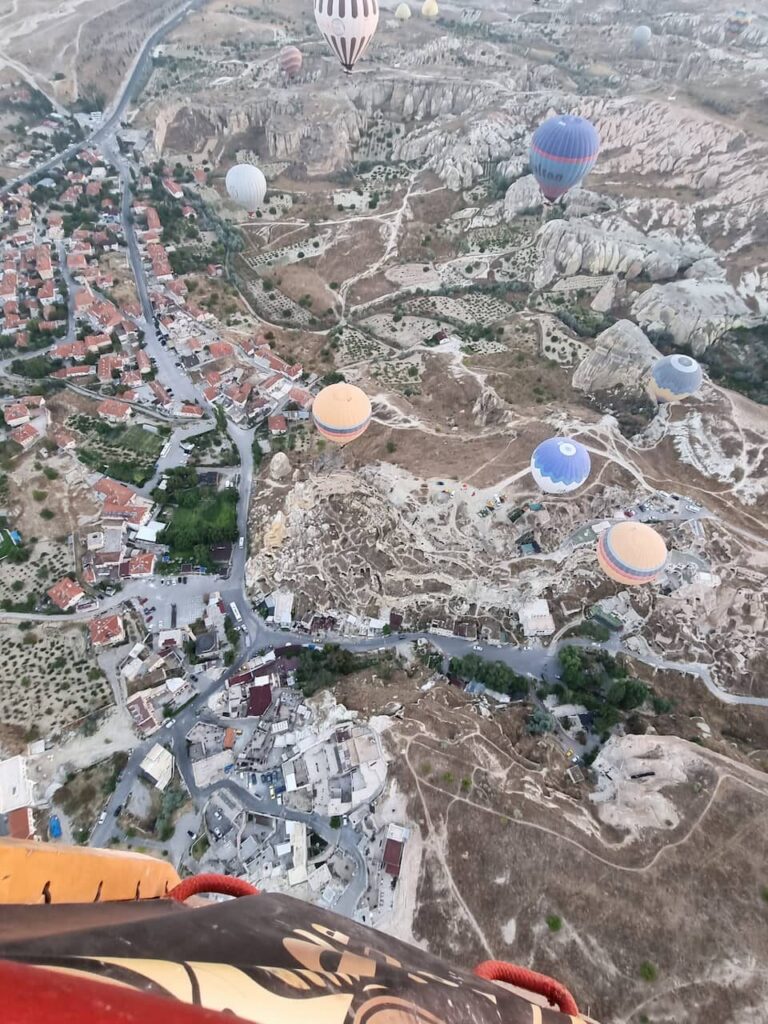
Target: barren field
{"x": 79, "y": 49}
{"x": 49, "y": 497}
{"x": 517, "y": 865}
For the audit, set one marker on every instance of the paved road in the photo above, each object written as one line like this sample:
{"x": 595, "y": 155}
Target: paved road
{"x": 113, "y": 115}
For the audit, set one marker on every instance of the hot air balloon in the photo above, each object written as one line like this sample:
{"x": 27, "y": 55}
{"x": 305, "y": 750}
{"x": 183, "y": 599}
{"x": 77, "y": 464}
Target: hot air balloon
{"x": 563, "y": 151}
{"x": 403, "y": 12}
{"x": 341, "y": 412}
{"x": 429, "y": 9}
{"x": 674, "y": 378}
{"x": 246, "y": 186}
{"x": 290, "y": 61}
{"x": 348, "y": 26}
{"x": 641, "y": 37}
{"x": 738, "y": 21}
{"x": 560, "y": 465}
{"x": 632, "y": 554}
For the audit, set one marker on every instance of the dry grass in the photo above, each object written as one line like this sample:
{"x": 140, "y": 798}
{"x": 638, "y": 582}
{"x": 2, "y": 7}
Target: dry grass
{"x": 508, "y": 842}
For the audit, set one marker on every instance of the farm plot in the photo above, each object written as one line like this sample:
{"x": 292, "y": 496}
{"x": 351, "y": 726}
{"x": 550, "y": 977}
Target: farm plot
{"x": 557, "y": 344}
{"x": 355, "y": 346}
{"x": 125, "y": 453}
{"x": 273, "y": 305}
{"x": 401, "y": 375}
{"x": 48, "y": 676}
{"x": 404, "y": 331}
{"x": 22, "y": 584}
{"x": 474, "y": 308}
{"x": 314, "y": 246}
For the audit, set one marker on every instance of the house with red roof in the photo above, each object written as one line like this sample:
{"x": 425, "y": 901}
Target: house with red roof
{"x": 113, "y": 411}
{"x": 107, "y": 630}
{"x": 277, "y": 425}
{"x": 21, "y": 823}
{"x": 72, "y": 372}
{"x": 301, "y": 397}
{"x": 140, "y": 566}
{"x": 108, "y": 366}
{"x": 191, "y": 411}
{"x": 143, "y": 363}
{"x": 66, "y": 593}
{"x": 220, "y": 349}
{"x": 173, "y": 188}
{"x": 26, "y": 436}
{"x": 16, "y": 415}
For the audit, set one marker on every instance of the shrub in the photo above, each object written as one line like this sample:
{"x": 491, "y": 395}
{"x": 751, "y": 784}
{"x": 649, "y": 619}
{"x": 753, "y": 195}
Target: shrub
{"x": 554, "y": 923}
{"x": 648, "y": 971}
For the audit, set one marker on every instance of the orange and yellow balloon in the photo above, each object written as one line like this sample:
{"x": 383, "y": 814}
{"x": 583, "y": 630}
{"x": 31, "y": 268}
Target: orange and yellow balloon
{"x": 632, "y": 554}
{"x": 341, "y": 412}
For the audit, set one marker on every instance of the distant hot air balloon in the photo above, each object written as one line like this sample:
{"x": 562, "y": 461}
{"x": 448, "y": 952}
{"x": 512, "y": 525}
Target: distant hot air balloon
{"x": 429, "y": 9}
{"x": 641, "y": 37}
{"x": 563, "y": 151}
{"x": 246, "y": 186}
{"x": 348, "y": 26}
{"x": 341, "y": 412}
{"x": 290, "y": 61}
{"x": 403, "y": 12}
{"x": 560, "y": 465}
{"x": 674, "y": 378}
{"x": 632, "y": 554}
{"x": 738, "y": 21}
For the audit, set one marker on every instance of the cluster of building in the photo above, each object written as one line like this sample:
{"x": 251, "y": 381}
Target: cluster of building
{"x": 44, "y": 131}
{"x": 27, "y": 420}
{"x": 280, "y": 751}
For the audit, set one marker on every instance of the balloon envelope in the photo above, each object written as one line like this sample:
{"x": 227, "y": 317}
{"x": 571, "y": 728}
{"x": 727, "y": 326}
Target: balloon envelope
{"x": 674, "y": 378}
{"x": 642, "y": 36}
{"x": 563, "y": 151}
{"x": 348, "y": 26}
{"x": 429, "y": 9}
{"x": 738, "y": 21}
{"x": 341, "y": 412}
{"x": 290, "y": 61}
{"x": 632, "y": 554}
{"x": 560, "y": 465}
{"x": 246, "y": 186}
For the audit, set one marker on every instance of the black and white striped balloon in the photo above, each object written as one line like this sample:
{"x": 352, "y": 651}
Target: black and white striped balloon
{"x": 348, "y": 26}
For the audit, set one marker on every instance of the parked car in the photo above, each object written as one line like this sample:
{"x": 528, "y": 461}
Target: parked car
{"x": 117, "y": 810}
{"x": 102, "y": 817}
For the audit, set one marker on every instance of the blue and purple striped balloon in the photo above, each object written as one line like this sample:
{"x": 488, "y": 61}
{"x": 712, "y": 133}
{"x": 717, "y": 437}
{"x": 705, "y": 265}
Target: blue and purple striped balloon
{"x": 564, "y": 150}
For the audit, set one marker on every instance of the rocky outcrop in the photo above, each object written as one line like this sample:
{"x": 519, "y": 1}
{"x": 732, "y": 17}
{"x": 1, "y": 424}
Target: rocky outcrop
{"x": 458, "y": 152}
{"x": 523, "y": 194}
{"x": 622, "y": 357}
{"x": 612, "y": 246}
{"x": 695, "y": 312}
{"x": 279, "y": 467}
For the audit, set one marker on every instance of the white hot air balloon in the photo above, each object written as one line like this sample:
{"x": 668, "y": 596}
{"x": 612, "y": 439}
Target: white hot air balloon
{"x": 430, "y": 9}
{"x": 348, "y": 26}
{"x": 246, "y": 186}
{"x": 403, "y": 12}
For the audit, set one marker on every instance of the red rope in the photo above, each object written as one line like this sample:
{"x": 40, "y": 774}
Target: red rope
{"x": 212, "y": 883}
{"x": 541, "y": 984}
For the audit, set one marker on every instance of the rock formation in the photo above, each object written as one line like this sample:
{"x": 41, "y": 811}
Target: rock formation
{"x": 695, "y": 312}
{"x": 279, "y": 467}
{"x": 523, "y": 194}
{"x": 622, "y": 356}
{"x": 612, "y": 246}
